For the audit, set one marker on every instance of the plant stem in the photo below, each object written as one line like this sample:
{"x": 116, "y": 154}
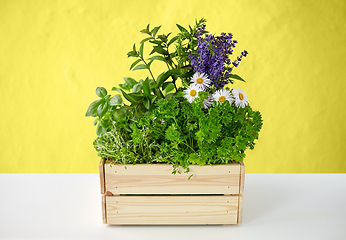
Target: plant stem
{"x": 189, "y": 146}
{"x": 157, "y": 91}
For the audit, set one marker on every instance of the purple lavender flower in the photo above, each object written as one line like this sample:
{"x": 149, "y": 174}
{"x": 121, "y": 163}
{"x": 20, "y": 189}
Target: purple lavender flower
{"x": 200, "y": 30}
{"x": 212, "y": 58}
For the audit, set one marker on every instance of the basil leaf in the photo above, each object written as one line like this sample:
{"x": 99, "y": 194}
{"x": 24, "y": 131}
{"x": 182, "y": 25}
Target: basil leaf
{"x": 101, "y": 92}
{"x": 116, "y": 100}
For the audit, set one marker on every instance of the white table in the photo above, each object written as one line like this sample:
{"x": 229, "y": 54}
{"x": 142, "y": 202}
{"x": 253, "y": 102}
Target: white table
{"x": 276, "y": 206}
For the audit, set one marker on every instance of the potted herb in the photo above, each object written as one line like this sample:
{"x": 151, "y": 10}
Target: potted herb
{"x": 172, "y": 145}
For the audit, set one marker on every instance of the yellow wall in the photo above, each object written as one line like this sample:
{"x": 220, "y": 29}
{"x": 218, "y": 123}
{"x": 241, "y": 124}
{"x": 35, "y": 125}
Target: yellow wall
{"x": 53, "y": 55}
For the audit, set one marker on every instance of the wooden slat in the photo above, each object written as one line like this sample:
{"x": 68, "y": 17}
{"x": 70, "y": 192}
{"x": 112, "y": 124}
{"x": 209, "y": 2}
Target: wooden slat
{"x": 240, "y": 209}
{"x": 102, "y": 176}
{"x": 242, "y": 178}
{"x": 158, "y": 179}
{"x": 104, "y": 214}
{"x": 241, "y": 191}
{"x": 173, "y": 210}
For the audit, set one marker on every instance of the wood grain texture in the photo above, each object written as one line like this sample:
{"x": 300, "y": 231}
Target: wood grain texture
{"x": 242, "y": 178}
{"x": 102, "y": 176}
{"x": 158, "y": 179}
{"x": 173, "y": 210}
{"x": 104, "y": 214}
{"x": 240, "y": 209}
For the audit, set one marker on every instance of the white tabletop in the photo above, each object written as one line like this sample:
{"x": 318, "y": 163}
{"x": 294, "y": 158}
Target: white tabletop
{"x": 276, "y": 206}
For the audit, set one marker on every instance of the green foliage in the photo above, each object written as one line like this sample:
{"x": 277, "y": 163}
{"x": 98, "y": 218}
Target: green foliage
{"x": 142, "y": 95}
{"x": 189, "y": 134}
{"x": 115, "y": 146}
{"x": 150, "y": 121}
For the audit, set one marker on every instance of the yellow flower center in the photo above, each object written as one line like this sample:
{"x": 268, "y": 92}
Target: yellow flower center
{"x": 222, "y": 99}
{"x": 199, "y": 80}
{"x": 193, "y": 93}
{"x": 241, "y": 96}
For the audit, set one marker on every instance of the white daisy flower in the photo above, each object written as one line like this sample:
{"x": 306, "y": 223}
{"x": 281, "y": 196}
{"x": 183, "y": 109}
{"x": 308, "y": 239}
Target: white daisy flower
{"x": 191, "y": 93}
{"x": 223, "y": 95}
{"x": 207, "y": 103}
{"x": 200, "y": 80}
{"x": 240, "y": 97}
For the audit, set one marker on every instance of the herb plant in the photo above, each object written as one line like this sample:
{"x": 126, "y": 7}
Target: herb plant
{"x": 201, "y": 122}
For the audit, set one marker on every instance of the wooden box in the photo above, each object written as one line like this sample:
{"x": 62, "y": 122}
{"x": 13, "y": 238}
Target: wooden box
{"x": 149, "y": 194}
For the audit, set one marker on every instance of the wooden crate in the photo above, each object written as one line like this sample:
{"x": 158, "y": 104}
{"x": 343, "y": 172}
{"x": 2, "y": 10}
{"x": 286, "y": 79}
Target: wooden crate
{"x": 149, "y": 194}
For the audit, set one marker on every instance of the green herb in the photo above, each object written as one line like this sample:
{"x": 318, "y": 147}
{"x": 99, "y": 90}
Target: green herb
{"x": 202, "y": 122}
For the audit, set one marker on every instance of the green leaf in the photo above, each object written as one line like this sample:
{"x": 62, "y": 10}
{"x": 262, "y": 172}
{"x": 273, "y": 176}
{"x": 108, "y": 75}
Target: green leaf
{"x": 95, "y": 121}
{"x": 130, "y": 81}
{"x": 124, "y": 86}
{"x": 140, "y": 66}
{"x": 131, "y": 97}
{"x": 159, "y": 49}
{"x": 116, "y": 100}
{"x": 135, "y": 63}
{"x": 120, "y": 114}
{"x": 160, "y": 58}
{"x": 172, "y": 40}
{"x": 92, "y": 110}
{"x": 153, "y": 86}
{"x": 235, "y": 76}
{"x": 132, "y": 54}
{"x": 156, "y": 42}
{"x": 146, "y": 88}
{"x": 101, "y": 92}
{"x": 154, "y": 31}
{"x": 152, "y": 98}
{"x": 128, "y": 97}
{"x": 137, "y": 88}
{"x": 102, "y": 109}
{"x": 141, "y": 49}
{"x": 169, "y": 95}
{"x": 182, "y": 29}
{"x": 146, "y": 103}
{"x": 168, "y": 87}
{"x": 163, "y": 38}
{"x": 163, "y": 77}
{"x": 104, "y": 123}
{"x": 145, "y": 31}
{"x": 100, "y": 130}
{"x": 149, "y": 63}
{"x": 134, "y": 47}
{"x": 194, "y": 158}
{"x": 146, "y": 39}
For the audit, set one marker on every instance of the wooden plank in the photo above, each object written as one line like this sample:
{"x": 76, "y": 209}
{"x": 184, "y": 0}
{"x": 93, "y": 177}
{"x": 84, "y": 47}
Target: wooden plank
{"x": 102, "y": 176}
{"x": 158, "y": 179}
{"x": 240, "y": 209}
{"x": 104, "y": 214}
{"x": 172, "y": 210}
{"x": 242, "y": 178}
{"x": 241, "y": 191}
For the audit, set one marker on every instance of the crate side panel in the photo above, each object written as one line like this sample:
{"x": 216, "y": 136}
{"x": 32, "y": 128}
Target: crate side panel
{"x": 172, "y": 210}
{"x": 102, "y": 176}
{"x": 242, "y": 178}
{"x": 158, "y": 179}
{"x": 240, "y": 208}
{"x": 103, "y": 203}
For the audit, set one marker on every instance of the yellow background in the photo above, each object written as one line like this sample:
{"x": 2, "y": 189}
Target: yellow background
{"x": 53, "y": 55}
